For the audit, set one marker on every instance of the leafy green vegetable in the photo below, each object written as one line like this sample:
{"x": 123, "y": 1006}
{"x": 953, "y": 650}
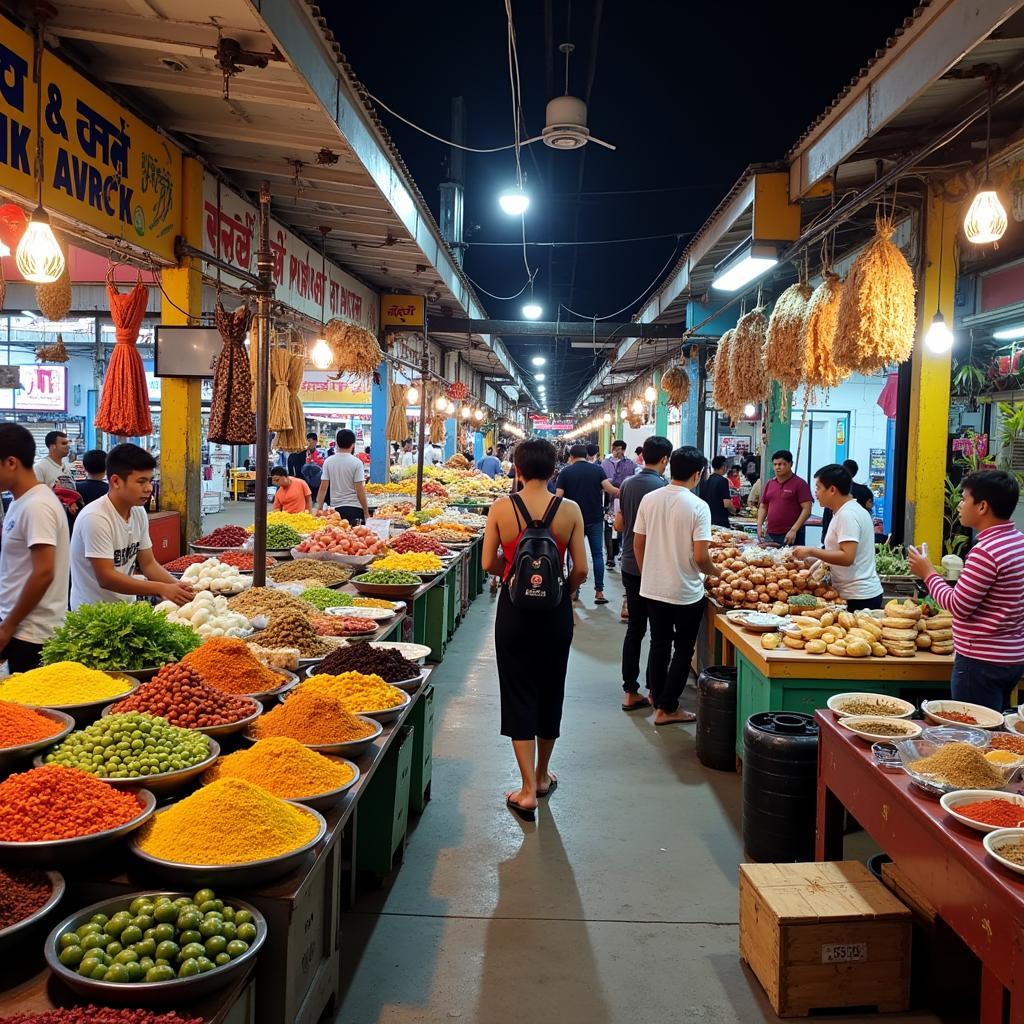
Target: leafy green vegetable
{"x": 803, "y": 600}
{"x": 891, "y": 561}
{"x": 119, "y": 636}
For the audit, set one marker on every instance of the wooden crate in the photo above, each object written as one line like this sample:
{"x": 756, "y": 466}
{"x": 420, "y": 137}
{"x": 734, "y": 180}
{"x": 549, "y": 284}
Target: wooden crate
{"x": 824, "y": 936}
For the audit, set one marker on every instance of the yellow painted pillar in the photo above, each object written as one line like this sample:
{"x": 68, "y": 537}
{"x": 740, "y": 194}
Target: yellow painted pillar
{"x": 930, "y": 383}
{"x": 180, "y": 401}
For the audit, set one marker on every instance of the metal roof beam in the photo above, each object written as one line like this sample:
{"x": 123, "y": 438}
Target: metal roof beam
{"x": 250, "y": 89}
{"x": 242, "y": 131}
{"x": 552, "y": 328}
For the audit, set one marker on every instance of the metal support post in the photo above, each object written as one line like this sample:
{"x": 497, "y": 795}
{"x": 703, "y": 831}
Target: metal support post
{"x": 424, "y": 370}
{"x": 264, "y": 296}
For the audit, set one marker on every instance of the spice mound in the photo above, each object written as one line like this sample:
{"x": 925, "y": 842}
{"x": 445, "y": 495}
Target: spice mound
{"x": 55, "y": 802}
{"x": 284, "y": 767}
{"x": 1013, "y": 852}
{"x": 959, "y": 765}
{"x": 327, "y": 573}
{"x": 20, "y": 725}
{"x": 390, "y": 578}
{"x": 321, "y": 597}
{"x": 231, "y": 821}
{"x": 64, "y": 683}
{"x": 131, "y": 746}
{"x": 291, "y": 629}
{"x": 385, "y": 662}
{"x": 866, "y": 706}
{"x": 178, "y": 694}
{"x": 314, "y": 719}
{"x": 182, "y": 563}
{"x": 960, "y": 717}
{"x": 886, "y": 728}
{"x": 229, "y": 665}
{"x": 99, "y": 1015}
{"x": 22, "y": 893}
{"x": 342, "y": 625}
{"x": 1003, "y": 813}
{"x": 356, "y": 691}
{"x": 412, "y": 561}
{"x": 242, "y": 560}
{"x": 1004, "y": 741}
{"x": 266, "y": 601}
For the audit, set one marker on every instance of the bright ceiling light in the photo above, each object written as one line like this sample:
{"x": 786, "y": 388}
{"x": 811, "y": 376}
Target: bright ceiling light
{"x": 412, "y": 396}
{"x": 320, "y": 355}
{"x": 441, "y": 404}
{"x": 650, "y": 394}
{"x": 478, "y": 415}
{"x": 514, "y": 201}
{"x": 607, "y": 417}
{"x": 939, "y": 339}
{"x": 538, "y": 376}
{"x": 638, "y": 406}
{"x": 625, "y": 414}
{"x": 986, "y": 219}
{"x": 466, "y": 412}
{"x": 538, "y": 360}
{"x": 40, "y": 259}
{"x": 749, "y": 409}
{"x": 450, "y": 407}
{"x": 743, "y": 265}
{"x": 533, "y": 310}
{"x": 1009, "y": 333}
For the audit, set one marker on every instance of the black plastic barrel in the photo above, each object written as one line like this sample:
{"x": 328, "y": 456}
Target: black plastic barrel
{"x": 780, "y": 767}
{"x": 716, "y": 718}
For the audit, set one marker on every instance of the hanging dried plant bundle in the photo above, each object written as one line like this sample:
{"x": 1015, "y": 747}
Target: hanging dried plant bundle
{"x": 54, "y": 300}
{"x": 437, "y": 428}
{"x": 784, "y": 339}
{"x": 279, "y": 415}
{"x": 675, "y": 382}
{"x": 294, "y": 438}
{"x": 355, "y": 349}
{"x": 55, "y": 353}
{"x": 397, "y": 426}
{"x": 820, "y": 368}
{"x": 636, "y": 420}
{"x": 746, "y": 351}
{"x": 877, "y": 318}
{"x": 722, "y": 371}
{"x": 457, "y": 391}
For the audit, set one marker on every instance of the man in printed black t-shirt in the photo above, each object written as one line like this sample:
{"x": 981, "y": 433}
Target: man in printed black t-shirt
{"x": 715, "y": 491}
{"x": 586, "y": 483}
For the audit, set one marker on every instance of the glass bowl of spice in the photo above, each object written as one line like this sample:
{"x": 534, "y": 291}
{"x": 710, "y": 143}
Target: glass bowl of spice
{"x": 872, "y": 728}
{"x": 942, "y": 768}
{"x": 1006, "y": 845}
{"x": 25, "y": 730}
{"x": 876, "y": 704}
{"x": 984, "y": 811}
{"x": 27, "y": 895}
{"x": 958, "y": 712}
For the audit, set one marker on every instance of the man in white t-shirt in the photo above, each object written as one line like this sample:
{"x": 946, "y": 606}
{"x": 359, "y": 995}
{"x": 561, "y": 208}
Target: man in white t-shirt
{"x": 54, "y": 464}
{"x": 432, "y": 454}
{"x": 111, "y": 543}
{"x": 671, "y": 538}
{"x": 33, "y": 557}
{"x": 849, "y": 544}
{"x": 408, "y": 456}
{"x": 346, "y": 477}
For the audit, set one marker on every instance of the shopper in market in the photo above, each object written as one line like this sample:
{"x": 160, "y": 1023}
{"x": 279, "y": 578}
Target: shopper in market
{"x": 849, "y": 542}
{"x": 715, "y": 491}
{"x": 490, "y": 465}
{"x": 532, "y": 647}
{"x": 987, "y": 603}
{"x": 408, "y": 456}
{"x": 785, "y": 503}
{"x": 95, "y": 484}
{"x": 618, "y": 469}
{"x": 292, "y": 494}
{"x": 656, "y": 452}
{"x": 861, "y": 494}
{"x": 54, "y": 467}
{"x": 345, "y": 475}
{"x": 34, "y": 556}
{"x": 671, "y": 542}
{"x": 586, "y": 484}
{"x": 111, "y": 543}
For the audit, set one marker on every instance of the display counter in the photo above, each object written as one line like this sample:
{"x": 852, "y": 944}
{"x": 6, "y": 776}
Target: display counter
{"x": 788, "y": 680}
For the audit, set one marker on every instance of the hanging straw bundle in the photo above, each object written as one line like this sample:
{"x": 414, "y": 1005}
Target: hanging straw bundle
{"x": 784, "y": 339}
{"x": 55, "y": 353}
{"x": 54, "y": 300}
{"x": 820, "y": 367}
{"x": 675, "y": 382}
{"x": 721, "y": 368}
{"x": 877, "y": 318}
{"x": 437, "y": 429}
{"x": 279, "y": 415}
{"x": 356, "y": 352}
{"x": 746, "y": 356}
{"x": 397, "y": 427}
{"x": 293, "y": 439}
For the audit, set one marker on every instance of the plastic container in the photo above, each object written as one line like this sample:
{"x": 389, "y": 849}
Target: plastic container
{"x": 716, "y": 718}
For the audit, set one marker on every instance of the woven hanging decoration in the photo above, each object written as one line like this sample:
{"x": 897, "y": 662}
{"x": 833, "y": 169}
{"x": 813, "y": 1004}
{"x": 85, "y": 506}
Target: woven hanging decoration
{"x": 231, "y": 417}
{"x": 294, "y": 438}
{"x": 356, "y": 351}
{"x": 55, "y": 353}
{"x": 877, "y": 318}
{"x": 746, "y": 354}
{"x": 784, "y": 339}
{"x": 54, "y": 299}
{"x": 675, "y": 382}
{"x": 279, "y": 413}
{"x": 124, "y": 405}
{"x": 820, "y": 367}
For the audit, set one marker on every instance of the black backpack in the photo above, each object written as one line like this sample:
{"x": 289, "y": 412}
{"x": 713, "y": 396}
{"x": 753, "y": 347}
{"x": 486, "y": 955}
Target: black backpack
{"x": 536, "y": 582}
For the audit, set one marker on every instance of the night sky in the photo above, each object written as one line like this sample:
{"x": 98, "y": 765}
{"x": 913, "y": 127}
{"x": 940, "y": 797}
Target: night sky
{"x": 690, "y": 95}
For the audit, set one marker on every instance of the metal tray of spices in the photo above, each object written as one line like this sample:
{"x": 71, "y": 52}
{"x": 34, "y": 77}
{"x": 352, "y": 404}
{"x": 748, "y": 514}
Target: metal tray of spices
{"x": 23, "y": 929}
{"x": 10, "y": 756}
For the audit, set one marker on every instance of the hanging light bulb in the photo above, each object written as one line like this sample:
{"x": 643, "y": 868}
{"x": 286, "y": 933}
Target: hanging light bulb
{"x": 320, "y": 355}
{"x": 625, "y": 414}
{"x": 449, "y": 407}
{"x": 412, "y": 396}
{"x": 466, "y": 412}
{"x": 478, "y": 415}
{"x": 749, "y": 409}
{"x": 514, "y": 201}
{"x": 939, "y": 338}
{"x": 441, "y": 404}
{"x": 650, "y": 394}
{"x": 607, "y": 417}
{"x": 638, "y": 406}
{"x": 39, "y": 257}
{"x": 986, "y": 219}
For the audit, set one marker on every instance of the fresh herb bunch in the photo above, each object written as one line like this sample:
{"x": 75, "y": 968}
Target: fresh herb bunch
{"x": 119, "y": 637}
{"x": 891, "y": 561}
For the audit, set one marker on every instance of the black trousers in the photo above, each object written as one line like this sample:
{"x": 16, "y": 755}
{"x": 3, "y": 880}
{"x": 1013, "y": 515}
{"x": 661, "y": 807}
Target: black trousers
{"x": 674, "y": 629}
{"x": 612, "y": 544}
{"x": 636, "y": 630}
{"x": 859, "y": 604}
{"x": 353, "y": 513}
{"x": 21, "y": 656}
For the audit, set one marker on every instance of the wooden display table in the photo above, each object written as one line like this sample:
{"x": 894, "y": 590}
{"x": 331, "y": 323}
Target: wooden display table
{"x": 946, "y": 862}
{"x": 788, "y": 680}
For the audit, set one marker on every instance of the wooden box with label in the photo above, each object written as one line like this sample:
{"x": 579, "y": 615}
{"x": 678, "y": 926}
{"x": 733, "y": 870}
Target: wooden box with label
{"x": 824, "y": 936}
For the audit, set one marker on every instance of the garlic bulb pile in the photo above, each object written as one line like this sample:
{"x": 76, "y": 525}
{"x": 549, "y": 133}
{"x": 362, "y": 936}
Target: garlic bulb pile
{"x": 216, "y": 576}
{"x": 209, "y": 616}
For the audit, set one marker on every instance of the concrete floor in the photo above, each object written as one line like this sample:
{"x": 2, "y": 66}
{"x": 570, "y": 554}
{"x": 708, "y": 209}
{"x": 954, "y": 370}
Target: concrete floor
{"x": 618, "y": 905}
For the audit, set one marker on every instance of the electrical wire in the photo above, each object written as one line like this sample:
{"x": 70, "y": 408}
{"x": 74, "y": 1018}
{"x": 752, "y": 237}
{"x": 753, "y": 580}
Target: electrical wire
{"x": 500, "y": 298}
{"x": 678, "y": 235}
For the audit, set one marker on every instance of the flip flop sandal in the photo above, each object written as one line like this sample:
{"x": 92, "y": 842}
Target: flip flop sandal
{"x": 525, "y": 813}
{"x": 547, "y": 792}
{"x": 644, "y": 703}
{"x": 681, "y": 721}
{"x": 601, "y": 600}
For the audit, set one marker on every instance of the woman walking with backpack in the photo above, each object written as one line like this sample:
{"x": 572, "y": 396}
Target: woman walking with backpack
{"x": 525, "y": 543}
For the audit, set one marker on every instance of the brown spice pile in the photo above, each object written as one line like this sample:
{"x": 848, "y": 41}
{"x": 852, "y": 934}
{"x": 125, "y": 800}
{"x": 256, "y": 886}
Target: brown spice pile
{"x": 960, "y": 765}
{"x": 291, "y": 629}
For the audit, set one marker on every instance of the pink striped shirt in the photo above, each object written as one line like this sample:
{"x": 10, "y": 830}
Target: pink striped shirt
{"x": 988, "y": 600}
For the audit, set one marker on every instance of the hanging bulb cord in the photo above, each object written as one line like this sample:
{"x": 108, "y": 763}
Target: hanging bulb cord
{"x": 38, "y": 71}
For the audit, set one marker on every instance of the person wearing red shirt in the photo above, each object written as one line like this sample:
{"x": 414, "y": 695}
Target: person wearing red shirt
{"x": 987, "y": 603}
{"x": 364, "y": 457}
{"x": 312, "y": 453}
{"x": 785, "y": 504}
{"x": 293, "y": 493}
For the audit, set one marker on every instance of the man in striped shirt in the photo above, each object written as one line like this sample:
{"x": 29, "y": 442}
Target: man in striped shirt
{"x": 987, "y": 602}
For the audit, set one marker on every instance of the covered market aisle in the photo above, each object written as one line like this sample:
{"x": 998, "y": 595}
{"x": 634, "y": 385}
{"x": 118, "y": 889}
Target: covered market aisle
{"x": 618, "y": 904}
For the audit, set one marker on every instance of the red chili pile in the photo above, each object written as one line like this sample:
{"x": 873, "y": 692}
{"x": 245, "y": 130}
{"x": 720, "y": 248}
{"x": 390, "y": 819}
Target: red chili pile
{"x": 22, "y": 893}
{"x": 242, "y": 560}
{"x": 994, "y": 812}
{"x": 99, "y": 1015}
{"x": 54, "y": 802}
{"x": 20, "y": 725}
{"x": 1004, "y": 741}
{"x": 181, "y": 564}
{"x": 342, "y": 625}
{"x": 418, "y": 543}
{"x": 957, "y": 716}
{"x": 225, "y": 537}
{"x": 179, "y": 694}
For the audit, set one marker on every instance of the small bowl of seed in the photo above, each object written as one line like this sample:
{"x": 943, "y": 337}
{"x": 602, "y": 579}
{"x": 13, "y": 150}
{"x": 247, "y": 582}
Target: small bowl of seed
{"x": 878, "y": 705}
{"x": 872, "y": 728}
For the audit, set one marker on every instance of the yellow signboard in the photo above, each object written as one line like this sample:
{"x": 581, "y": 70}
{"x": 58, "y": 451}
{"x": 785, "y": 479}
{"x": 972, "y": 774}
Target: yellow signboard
{"x": 102, "y": 166}
{"x": 402, "y": 310}
{"x": 319, "y": 389}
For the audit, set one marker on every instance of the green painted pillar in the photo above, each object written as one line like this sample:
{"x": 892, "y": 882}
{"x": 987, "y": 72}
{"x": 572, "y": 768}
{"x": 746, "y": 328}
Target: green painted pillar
{"x": 660, "y": 408}
{"x": 777, "y": 429}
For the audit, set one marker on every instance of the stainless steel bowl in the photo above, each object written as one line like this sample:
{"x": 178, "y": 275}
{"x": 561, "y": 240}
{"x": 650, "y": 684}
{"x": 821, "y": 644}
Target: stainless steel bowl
{"x": 143, "y": 675}
{"x": 385, "y": 589}
{"x": 410, "y": 685}
{"x": 254, "y": 872}
{"x": 10, "y": 756}
{"x": 163, "y": 783}
{"x": 56, "y": 853}
{"x": 389, "y": 714}
{"x": 86, "y": 714}
{"x": 324, "y": 801}
{"x": 217, "y": 730}
{"x": 152, "y": 993}
{"x": 22, "y": 929}
{"x": 349, "y": 748}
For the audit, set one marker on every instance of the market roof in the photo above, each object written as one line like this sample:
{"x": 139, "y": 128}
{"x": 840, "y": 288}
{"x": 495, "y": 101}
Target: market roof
{"x": 300, "y": 122}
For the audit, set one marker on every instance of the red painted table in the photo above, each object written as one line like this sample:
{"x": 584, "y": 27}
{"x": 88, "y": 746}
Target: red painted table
{"x": 980, "y": 900}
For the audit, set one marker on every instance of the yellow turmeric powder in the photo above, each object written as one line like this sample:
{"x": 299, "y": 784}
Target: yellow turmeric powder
{"x": 231, "y": 821}
{"x": 63, "y": 683}
{"x": 284, "y": 767}
{"x": 356, "y": 691}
